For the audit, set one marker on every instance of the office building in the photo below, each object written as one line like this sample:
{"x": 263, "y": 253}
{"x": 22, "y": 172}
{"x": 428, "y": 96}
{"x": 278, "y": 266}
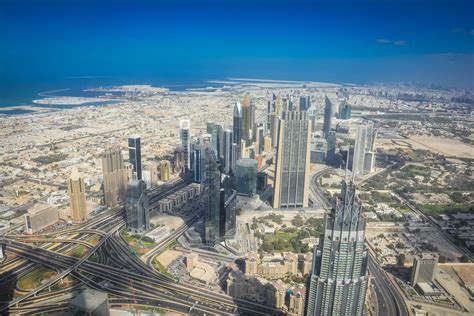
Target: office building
{"x": 267, "y": 144}
{"x": 424, "y": 268}
{"x": 40, "y": 216}
{"x": 228, "y": 208}
{"x": 211, "y": 186}
{"x": 138, "y": 218}
{"x": 228, "y": 154}
{"x": 297, "y": 300}
{"x": 115, "y": 178}
{"x": 331, "y": 149}
{"x": 345, "y": 111}
{"x": 237, "y": 127}
{"x": 77, "y": 197}
{"x": 246, "y": 176}
{"x": 328, "y": 113}
{"x": 305, "y": 103}
{"x": 185, "y": 138}
{"x": 339, "y": 277}
{"x": 165, "y": 169}
{"x": 369, "y": 161}
{"x": 128, "y": 172}
{"x": 246, "y": 119}
{"x": 359, "y": 151}
{"x": 197, "y": 168}
{"x": 259, "y": 139}
{"x": 274, "y": 126}
{"x": 213, "y": 129}
{"x": 291, "y": 186}
{"x": 135, "y": 156}
{"x": 179, "y": 162}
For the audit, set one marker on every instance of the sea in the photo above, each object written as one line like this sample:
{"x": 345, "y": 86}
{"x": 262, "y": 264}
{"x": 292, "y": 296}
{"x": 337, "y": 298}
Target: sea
{"x": 15, "y": 94}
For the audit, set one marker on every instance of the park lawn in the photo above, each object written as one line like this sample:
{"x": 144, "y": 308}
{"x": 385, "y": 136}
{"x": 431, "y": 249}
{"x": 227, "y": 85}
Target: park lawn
{"x": 439, "y": 209}
{"x": 33, "y": 279}
{"x": 417, "y": 170}
{"x": 160, "y": 267}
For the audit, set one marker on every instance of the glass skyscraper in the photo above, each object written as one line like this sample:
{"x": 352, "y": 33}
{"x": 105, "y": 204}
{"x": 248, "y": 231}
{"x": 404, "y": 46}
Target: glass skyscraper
{"x": 185, "y": 141}
{"x": 328, "y": 112}
{"x": 339, "y": 278}
{"x": 237, "y": 123}
{"x": 135, "y": 156}
{"x": 211, "y": 186}
{"x": 138, "y": 219}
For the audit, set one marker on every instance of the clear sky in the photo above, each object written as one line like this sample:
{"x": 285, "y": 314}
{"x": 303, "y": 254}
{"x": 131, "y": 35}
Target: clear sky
{"x": 332, "y": 41}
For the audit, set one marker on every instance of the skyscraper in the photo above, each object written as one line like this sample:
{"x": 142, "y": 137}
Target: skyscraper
{"x": 345, "y": 111}
{"x": 424, "y": 268}
{"x": 339, "y": 277}
{"x": 213, "y": 130}
{"x": 185, "y": 141}
{"x": 328, "y": 112}
{"x": 115, "y": 182}
{"x": 305, "y": 103}
{"x": 228, "y": 147}
{"x": 246, "y": 176}
{"x": 211, "y": 185}
{"x": 359, "y": 151}
{"x": 331, "y": 148}
{"x": 135, "y": 156}
{"x": 246, "y": 119}
{"x": 237, "y": 123}
{"x": 138, "y": 219}
{"x": 292, "y": 161}
{"x": 77, "y": 197}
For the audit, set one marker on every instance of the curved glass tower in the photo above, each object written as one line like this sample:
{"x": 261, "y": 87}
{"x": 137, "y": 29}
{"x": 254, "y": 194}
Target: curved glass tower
{"x": 339, "y": 275}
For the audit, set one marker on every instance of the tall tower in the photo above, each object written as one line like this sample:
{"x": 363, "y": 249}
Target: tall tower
{"x": 246, "y": 119}
{"x": 331, "y": 148}
{"x": 77, "y": 197}
{"x": 185, "y": 141}
{"x": 328, "y": 112}
{"x": 211, "y": 185}
{"x": 237, "y": 123}
{"x": 339, "y": 276}
{"x": 359, "y": 150}
{"x": 213, "y": 130}
{"x": 292, "y": 161}
{"x": 228, "y": 147}
{"x": 135, "y": 156}
{"x": 115, "y": 178}
{"x": 138, "y": 219}
{"x": 165, "y": 168}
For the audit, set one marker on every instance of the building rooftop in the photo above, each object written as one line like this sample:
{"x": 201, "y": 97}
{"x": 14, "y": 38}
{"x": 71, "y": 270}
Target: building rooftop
{"x": 38, "y": 208}
{"x": 88, "y": 300}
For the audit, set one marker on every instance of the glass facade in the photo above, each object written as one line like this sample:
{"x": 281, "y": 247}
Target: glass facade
{"x": 135, "y": 155}
{"x": 246, "y": 176}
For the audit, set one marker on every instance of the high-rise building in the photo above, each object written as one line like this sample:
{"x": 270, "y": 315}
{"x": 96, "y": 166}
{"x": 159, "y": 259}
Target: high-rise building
{"x": 40, "y": 216}
{"x": 371, "y": 136}
{"x": 369, "y": 161}
{"x": 213, "y": 130}
{"x": 179, "y": 162}
{"x": 259, "y": 132}
{"x": 331, "y": 148}
{"x": 305, "y": 103}
{"x": 228, "y": 147}
{"x": 197, "y": 167}
{"x": 267, "y": 144}
{"x": 228, "y": 208}
{"x": 236, "y": 155}
{"x": 291, "y": 186}
{"x": 115, "y": 178}
{"x": 424, "y": 268}
{"x": 128, "y": 172}
{"x": 135, "y": 156}
{"x": 138, "y": 218}
{"x": 246, "y": 176}
{"x": 252, "y": 120}
{"x": 328, "y": 113}
{"x": 339, "y": 277}
{"x": 211, "y": 186}
{"x": 274, "y": 125}
{"x": 359, "y": 151}
{"x": 345, "y": 111}
{"x": 246, "y": 119}
{"x": 237, "y": 127}
{"x": 77, "y": 197}
{"x": 165, "y": 168}
{"x": 185, "y": 138}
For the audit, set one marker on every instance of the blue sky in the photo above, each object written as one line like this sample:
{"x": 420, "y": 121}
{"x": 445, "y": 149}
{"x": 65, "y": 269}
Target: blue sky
{"x": 338, "y": 41}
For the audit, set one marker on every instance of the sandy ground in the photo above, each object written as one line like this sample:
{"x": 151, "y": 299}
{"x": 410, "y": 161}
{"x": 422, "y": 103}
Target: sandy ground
{"x": 168, "y": 256}
{"x": 173, "y": 222}
{"x": 447, "y": 277}
{"x": 442, "y": 145}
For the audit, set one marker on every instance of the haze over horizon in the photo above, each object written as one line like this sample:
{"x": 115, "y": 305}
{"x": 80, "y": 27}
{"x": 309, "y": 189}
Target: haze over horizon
{"x": 185, "y": 41}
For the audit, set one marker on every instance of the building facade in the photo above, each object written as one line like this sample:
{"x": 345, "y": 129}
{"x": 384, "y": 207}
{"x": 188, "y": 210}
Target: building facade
{"x": 135, "y": 156}
{"x": 77, "y": 197}
{"x": 328, "y": 113}
{"x": 339, "y": 278}
{"x": 40, "y": 216}
{"x": 292, "y": 162}
{"x": 185, "y": 138}
{"x": 246, "y": 176}
{"x": 115, "y": 178}
{"x": 138, "y": 218}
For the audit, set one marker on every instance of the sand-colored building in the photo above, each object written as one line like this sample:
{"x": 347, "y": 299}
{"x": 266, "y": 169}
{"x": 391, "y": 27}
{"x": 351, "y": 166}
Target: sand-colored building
{"x": 40, "y": 216}
{"x": 165, "y": 169}
{"x": 77, "y": 197}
